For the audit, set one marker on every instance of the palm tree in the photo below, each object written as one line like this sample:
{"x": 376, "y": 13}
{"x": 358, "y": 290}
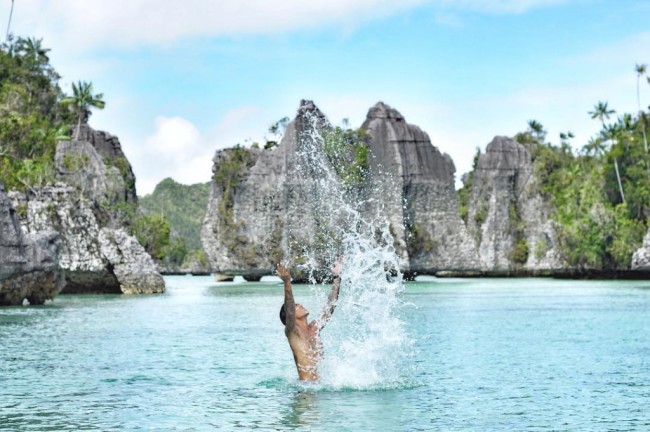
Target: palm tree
{"x": 11, "y": 12}
{"x": 82, "y": 100}
{"x": 594, "y": 147}
{"x": 641, "y": 70}
{"x": 32, "y": 49}
{"x": 601, "y": 112}
{"x": 536, "y": 129}
{"x": 612, "y": 131}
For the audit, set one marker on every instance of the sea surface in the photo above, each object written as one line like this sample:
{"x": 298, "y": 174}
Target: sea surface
{"x": 484, "y": 355}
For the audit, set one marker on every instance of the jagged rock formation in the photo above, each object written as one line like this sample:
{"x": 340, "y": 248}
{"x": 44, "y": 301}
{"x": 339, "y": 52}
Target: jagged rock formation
{"x": 641, "y": 258}
{"x": 28, "y": 264}
{"x": 256, "y": 213}
{"x": 507, "y": 215}
{"x": 95, "y": 259}
{"x": 132, "y": 266}
{"x": 96, "y": 165}
{"x": 422, "y": 206}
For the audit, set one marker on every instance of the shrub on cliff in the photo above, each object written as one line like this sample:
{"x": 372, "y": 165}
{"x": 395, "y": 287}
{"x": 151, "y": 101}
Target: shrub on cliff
{"x": 32, "y": 117}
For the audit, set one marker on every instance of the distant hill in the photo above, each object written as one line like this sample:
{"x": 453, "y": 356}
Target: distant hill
{"x": 184, "y": 207}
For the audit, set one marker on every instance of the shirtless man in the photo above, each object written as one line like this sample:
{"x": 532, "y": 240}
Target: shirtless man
{"x": 303, "y": 337}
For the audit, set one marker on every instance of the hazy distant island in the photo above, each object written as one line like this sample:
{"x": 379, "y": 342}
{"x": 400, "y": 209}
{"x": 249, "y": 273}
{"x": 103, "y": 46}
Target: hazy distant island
{"x": 71, "y": 220}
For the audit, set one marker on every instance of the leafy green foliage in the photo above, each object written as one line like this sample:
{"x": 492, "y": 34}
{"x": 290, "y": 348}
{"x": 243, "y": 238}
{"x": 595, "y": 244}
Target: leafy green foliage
{"x": 184, "y": 208}
{"x": 82, "y": 100}
{"x": 465, "y": 191}
{"x": 348, "y": 153}
{"x": 229, "y": 171}
{"x": 152, "y": 231}
{"x": 419, "y": 241}
{"x": 32, "y": 118}
{"x": 596, "y": 228}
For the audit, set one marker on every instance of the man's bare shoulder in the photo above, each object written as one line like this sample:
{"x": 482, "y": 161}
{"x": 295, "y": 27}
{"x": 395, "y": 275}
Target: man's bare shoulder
{"x": 292, "y": 332}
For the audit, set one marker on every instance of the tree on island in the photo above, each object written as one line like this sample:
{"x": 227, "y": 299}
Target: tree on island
{"x": 641, "y": 70}
{"x": 602, "y": 112}
{"x": 537, "y": 130}
{"x": 82, "y": 100}
{"x": 32, "y": 50}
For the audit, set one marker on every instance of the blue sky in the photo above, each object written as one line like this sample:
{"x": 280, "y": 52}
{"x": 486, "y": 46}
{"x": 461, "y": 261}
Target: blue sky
{"x": 183, "y": 79}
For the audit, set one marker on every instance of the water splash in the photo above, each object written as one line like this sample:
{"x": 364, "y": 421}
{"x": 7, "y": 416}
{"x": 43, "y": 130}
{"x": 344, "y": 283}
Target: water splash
{"x": 366, "y": 345}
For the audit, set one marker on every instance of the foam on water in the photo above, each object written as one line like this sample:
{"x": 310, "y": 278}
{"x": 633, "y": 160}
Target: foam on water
{"x": 366, "y": 345}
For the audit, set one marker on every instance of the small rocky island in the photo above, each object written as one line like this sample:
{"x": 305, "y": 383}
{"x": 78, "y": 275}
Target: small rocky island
{"x": 74, "y": 233}
{"x": 502, "y": 223}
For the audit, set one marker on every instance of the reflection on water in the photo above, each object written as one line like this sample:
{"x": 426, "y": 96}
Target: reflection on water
{"x": 303, "y": 409}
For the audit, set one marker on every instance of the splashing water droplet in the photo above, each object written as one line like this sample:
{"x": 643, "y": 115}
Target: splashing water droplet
{"x": 366, "y": 345}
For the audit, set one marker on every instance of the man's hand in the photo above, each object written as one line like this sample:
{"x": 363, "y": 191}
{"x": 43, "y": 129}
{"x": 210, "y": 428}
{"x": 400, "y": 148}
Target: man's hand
{"x": 337, "y": 267}
{"x": 283, "y": 272}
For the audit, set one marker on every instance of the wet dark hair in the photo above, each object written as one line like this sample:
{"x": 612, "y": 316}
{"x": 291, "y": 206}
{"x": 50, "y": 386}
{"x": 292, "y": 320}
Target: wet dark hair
{"x": 283, "y": 315}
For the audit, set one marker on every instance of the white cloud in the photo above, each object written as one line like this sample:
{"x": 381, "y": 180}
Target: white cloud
{"x": 83, "y": 24}
{"x": 498, "y": 6}
{"x": 174, "y": 135}
{"x": 176, "y": 148}
{"x": 127, "y": 23}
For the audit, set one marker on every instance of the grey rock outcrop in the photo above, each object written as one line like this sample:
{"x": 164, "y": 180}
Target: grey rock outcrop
{"x": 422, "y": 205}
{"x": 28, "y": 263}
{"x": 132, "y": 266}
{"x": 641, "y": 258}
{"x": 507, "y": 214}
{"x": 95, "y": 259}
{"x": 255, "y": 212}
{"x": 258, "y": 211}
{"x": 96, "y": 165}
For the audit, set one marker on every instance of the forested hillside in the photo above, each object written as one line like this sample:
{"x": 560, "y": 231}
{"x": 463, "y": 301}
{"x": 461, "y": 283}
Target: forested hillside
{"x": 180, "y": 210}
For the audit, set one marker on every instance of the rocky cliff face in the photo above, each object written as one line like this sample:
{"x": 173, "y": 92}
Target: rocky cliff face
{"x": 96, "y": 165}
{"x": 262, "y": 208}
{"x": 89, "y": 209}
{"x": 94, "y": 258}
{"x": 422, "y": 205}
{"x": 28, "y": 263}
{"x": 255, "y": 212}
{"x": 641, "y": 258}
{"x": 507, "y": 215}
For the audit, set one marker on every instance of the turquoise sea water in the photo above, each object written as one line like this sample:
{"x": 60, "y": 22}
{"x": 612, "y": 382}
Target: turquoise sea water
{"x": 492, "y": 354}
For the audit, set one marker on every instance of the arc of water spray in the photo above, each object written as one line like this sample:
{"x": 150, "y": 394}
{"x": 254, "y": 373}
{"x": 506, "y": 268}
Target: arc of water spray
{"x": 11, "y": 13}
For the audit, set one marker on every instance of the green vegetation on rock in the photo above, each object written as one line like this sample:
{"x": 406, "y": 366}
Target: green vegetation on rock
{"x": 348, "y": 153}
{"x": 32, "y": 115}
{"x": 600, "y": 195}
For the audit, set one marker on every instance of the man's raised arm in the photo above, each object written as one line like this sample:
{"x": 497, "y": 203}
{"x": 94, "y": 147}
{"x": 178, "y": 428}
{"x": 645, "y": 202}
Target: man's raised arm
{"x": 334, "y": 294}
{"x": 289, "y": 303}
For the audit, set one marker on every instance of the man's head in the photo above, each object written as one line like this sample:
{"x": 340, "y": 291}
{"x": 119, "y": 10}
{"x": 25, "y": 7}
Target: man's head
{"x": 301, "y": 312}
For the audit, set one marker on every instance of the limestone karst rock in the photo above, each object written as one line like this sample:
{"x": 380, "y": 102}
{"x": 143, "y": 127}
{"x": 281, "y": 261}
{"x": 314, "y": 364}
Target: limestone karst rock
{"x": 423, "y": 208}
{"x": 94, "y": 258}
{"x": 641, "y": 257}
{"x": 261, "y": 209}
{"x": 255, "y": 204}
{"x": 508, "y": 215}
{"x": 89, "y": 209}
{"x": 96, "y": 165}
{"x": 28, "y": 263}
